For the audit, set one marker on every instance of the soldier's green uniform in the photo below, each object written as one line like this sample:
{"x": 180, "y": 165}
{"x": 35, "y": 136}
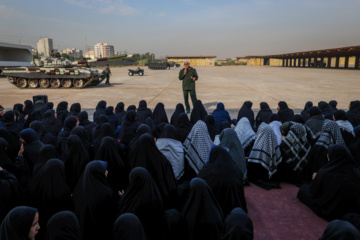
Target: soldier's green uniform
{"x": 107, "y": 72}
{"x": 188, "y": 86}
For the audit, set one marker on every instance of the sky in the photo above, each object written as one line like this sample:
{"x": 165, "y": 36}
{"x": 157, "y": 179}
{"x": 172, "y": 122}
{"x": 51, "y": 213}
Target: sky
{"x": 225, "y": 29}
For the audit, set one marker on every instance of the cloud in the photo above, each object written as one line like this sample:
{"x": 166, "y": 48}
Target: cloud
{"x": 9, "y": 13}
{"x": 80, "y": 3}
{"x": 117, "y": 7}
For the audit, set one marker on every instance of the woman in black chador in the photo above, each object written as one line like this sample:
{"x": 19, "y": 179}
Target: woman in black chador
{"x": 326, "y": 110}
{"x": 143, "y": 199}
{"x": 13, "y": 142}
{"x": 354, "y": 113}
{"x": 128, "y": 127}
{"x": 47, "y": 106}
{"x": 179, "y": 109}
{"x": 75, "y": 160}
{"x": 109, "y": 152}
{"x": 31, "y": 148}
{"x": 102, "y": 119}
{"x": 314, "y": 125}
{"x": 20, "y": 223}
{"x": 5, "y": 161}
{"x": 93, "y": 202}
{"x": 28, "y": 107}
{"x": 246, "y": 111}
{"x": 212, "y": 128}
{"x": 284, "y": 112}
{"x": 49, "y": 192}
{"x": 143, "y": 112}
{"x": 63, "y": 225}
{"x": 120, "y": 112}
{"x": 340, "y": 230}
{"x": 264, "y": 115}
{"x": 159, "y": 114}
{"x": 146, "y": 154}
{"x": 305, "y": 112}
{"x": 9, "y": 122}
{"x": 100, "y": 109}
{"x": 198, "y": 113}
{"x": 62, "y": 111}
{"x": 182, "y": 127}
{"x": 45, "y": 137}
{"x": 69, "y": 124}
{"x": 87, "y": 124}
{"x": 112, "y": 118}
{"x": 225, "y": 180}
{"x": 335, "y": 189}
{"x": 128, "y": 227}
{"x": 80, "y": 131}
{"x": 51, "y": 124}
{"x": 106, "y": 130}
{"x": 202, "y": 217}
{"x": 10, "y": 190}
{"x": 75, "y": 109}
{"x": 238, "y": 225}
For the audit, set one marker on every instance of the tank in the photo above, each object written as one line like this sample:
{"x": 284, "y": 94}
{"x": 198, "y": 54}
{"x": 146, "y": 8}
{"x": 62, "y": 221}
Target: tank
{"x": 158, "y": 64}
{"x": 57, "y": 72}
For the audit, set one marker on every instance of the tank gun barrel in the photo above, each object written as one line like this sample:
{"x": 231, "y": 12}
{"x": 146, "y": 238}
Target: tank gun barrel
{"x": 85, "y": 61}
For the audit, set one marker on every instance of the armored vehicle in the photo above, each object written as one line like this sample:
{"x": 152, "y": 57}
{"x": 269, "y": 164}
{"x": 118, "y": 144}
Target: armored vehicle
{"x": 158, "y": 64}
{"x": 57, "y": 72}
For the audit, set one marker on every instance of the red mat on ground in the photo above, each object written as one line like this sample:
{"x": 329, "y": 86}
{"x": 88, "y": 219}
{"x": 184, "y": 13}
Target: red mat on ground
{"x": 277, "y": 214}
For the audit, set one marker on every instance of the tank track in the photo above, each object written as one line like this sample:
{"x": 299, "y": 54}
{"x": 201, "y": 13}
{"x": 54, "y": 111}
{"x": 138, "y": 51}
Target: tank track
{"x": 92, "y": 81}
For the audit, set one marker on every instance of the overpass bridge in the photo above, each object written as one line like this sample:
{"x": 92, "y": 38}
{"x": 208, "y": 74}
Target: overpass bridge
{"x": 15, "y": 55}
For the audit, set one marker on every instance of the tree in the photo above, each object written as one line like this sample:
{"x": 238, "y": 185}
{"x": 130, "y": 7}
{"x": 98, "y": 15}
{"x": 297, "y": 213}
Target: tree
{"x": 136, "y": 57}
{"x": 64, "y": 55}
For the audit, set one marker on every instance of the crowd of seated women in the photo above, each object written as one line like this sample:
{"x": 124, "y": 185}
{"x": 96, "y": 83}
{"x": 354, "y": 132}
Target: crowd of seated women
{"x": 137, "y": 174}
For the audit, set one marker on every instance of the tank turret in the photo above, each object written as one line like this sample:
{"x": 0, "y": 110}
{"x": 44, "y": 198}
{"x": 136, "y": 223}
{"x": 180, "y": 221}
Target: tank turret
{"x": 57, "y": 72}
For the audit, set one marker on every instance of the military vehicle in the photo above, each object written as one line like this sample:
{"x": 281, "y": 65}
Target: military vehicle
{"x": 57, "y": 72}
{"x": 137, "y": 71}
{"x": 161, "y": 64}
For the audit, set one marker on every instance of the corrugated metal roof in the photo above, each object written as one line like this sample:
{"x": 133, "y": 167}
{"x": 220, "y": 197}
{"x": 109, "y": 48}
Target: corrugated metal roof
{"x": 332, "y": 52}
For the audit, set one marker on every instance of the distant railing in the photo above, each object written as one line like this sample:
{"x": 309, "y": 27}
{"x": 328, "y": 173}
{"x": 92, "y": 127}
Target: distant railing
{"x": 112, "y": 63}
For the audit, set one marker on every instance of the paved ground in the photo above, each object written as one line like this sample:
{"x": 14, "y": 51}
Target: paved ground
{"x": 231, "y": 85}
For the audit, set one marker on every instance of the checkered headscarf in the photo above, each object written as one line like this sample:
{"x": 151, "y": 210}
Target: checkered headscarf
{"x": 266, "y": 150}
{"x": 197, "y": 146}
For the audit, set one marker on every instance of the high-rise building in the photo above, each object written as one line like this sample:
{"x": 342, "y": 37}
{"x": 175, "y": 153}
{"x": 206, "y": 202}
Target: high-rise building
{"x": 44, "y": 46}
{"x": 103, "y": 50}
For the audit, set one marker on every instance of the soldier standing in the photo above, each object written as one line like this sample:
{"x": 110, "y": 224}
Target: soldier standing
{"x": 108, "y": 73}
{"x": 188, "y": 75}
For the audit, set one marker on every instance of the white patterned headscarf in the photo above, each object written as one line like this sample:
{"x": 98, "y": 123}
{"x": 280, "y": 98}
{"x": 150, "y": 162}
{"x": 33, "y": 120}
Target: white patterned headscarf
{"x": 245, "y": 132}
{"x": 296, "y": 147}
{"x": 276, "y": 127}
{"x": 331, "y": 134}
{"x": 173, "y": 150}
{"x": 266, "y": 150}
{"x": 197, "y": 145}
